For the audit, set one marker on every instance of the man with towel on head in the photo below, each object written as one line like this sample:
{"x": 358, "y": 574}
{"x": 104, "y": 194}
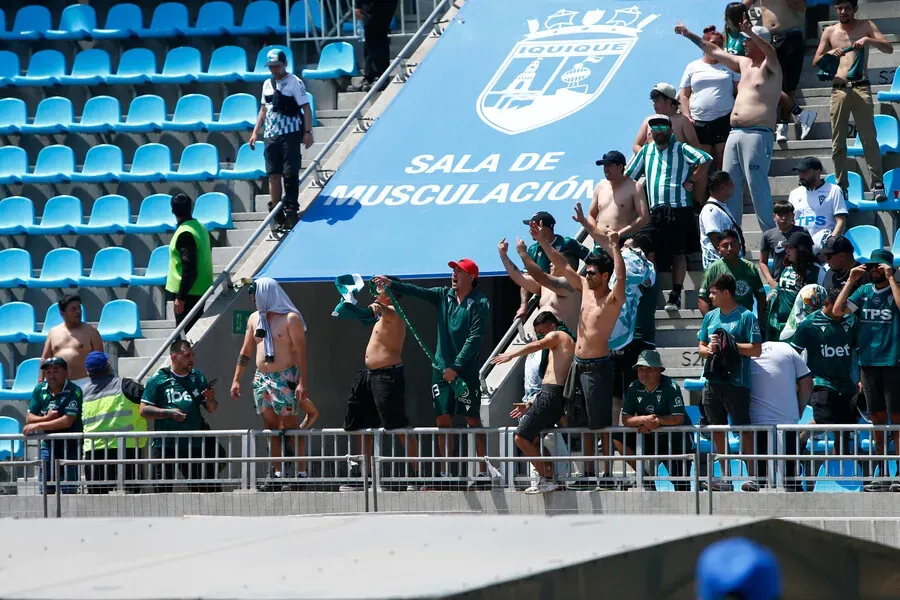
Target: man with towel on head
{"x": 280, "y": 384}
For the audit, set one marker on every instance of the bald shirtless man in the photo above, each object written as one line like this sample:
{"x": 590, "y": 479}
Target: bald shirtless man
{"x": 851, "y": 94}
{"x": 664, "y": 98}
{"x": 619, "y": 202}
{"x": 550, "y": 405}
{"x": 748, "y": 151}
{"x": 72, "y": 340}
{"x": 592, "y": 369}
{"x": 280, "y": 383}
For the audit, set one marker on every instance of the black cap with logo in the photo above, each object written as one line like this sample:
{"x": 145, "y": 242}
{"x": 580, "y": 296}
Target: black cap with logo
{"x": 542, "y": 217}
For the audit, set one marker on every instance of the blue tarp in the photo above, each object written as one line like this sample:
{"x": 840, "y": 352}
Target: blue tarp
{"x": 505, "y": 116}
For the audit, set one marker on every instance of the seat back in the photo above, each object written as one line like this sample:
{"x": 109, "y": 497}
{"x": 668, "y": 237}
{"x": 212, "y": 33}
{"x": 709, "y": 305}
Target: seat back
{"x": 27, "y": 375}
{"x": 183, "y": 60}
{"x": 213, "y": 209}
{"x": 124, "y": 16}
{"x": 47, "y": 63}
{"x": 158, "y": 265}
{"x": 92, "y": 62}
{"x": 16, "y": 210}
{"x": 105, "y": 158}
{"x": 237, "y": 108}
{"x": 337, "y": 55}
{"x": 250, "y": 159}
{"x": 261, "y": 58}
{"x": 199, "y": 158}
{"x": 156, "y": 209}
{"x": 55, "y": 159}
{"x": 62, "y": 263}
{"x": 137, "y": 61}
{"x": 9, "y": 64}
{"x": 101, "y": 109}
{"x": 146, "y": 109}
{"x": 111, "y": 209}
{"x": 62, "y": 210}
{"x": 13, "y": 112}
{"x": 215, "y": 14}
{"x": 306, "y": 16}
{"x": 261, "y": 13}
{"x": 887, "y": 131}
{"x": 8, "y": 425}
{"x": 15, "y": 262}
{"x": 16, "y": 317}
{"x": 13, "y": 161}
{"x": 32, "y": 18}
{"x": 112, "y": 262}
{"x": 78, "y": 17}
{"x": 865, "y": 239}
{"x": 120, "y": 319}
{"x": 152, "y": 158}
{"x": 193, "y": 108}
{"x": 54, "y": 111}
{"x": 854, "y": 185}
{"x": 168, "y": 15}
{"x": 228, "y": 59}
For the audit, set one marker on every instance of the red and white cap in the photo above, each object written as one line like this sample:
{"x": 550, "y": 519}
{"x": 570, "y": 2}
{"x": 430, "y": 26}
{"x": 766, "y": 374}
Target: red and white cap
{"x": 465, "y": 264}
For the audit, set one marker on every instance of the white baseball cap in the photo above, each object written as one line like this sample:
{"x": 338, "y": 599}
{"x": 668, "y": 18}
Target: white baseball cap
{"x": 761, "y": 32}
{"x": 275, "y": 57}
{"x": 666, "y": 90}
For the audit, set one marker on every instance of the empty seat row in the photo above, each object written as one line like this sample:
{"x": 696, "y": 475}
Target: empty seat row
{"x": 169, "y": 20}
{"x": 866, "y": 239}
{"x": 856, "y": 196}
{"x": 104, "y": 164}
{"x": 103, "y": 114}
{"x": 110, "y": 214}
{"x": 119, "y": 320}
{"x": 136, "y": 66}
{"x": 63, "y": 267}
{"x": 887, "y": 133}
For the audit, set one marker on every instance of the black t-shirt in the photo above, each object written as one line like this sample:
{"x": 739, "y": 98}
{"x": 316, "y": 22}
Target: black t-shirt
{"x": 773, "y": 243}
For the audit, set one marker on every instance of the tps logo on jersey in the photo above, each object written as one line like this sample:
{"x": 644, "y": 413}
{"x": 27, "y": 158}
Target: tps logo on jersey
{"x": 834, "y": 351}
{"x": 877, "y": 314}
{"x": 809, "y": 220}
{"x": 559, "y": 67}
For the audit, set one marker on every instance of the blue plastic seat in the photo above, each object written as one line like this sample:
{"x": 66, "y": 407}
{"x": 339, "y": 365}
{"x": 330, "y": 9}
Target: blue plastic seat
{"x": 62, "y": 268}
{"x": 146, "y": 114}
{"x": 169, "y": 20}
{"x": 91, "y": 67}
{"x": 152, "y": 162}
{"x": 892, "y": 95}
{"x": 157, "y": 268}
{"x": 53, "y": 115}
{"x": 887, "y": 132}
{"x": 261, "y": 71}
{"x": 137, "y": 65}
{"x": 77, "y": 22}
{"x": 214, "y": 19}
{"x": 26, "y": 378}
{"x": 694, "y": 385}
{"x": 51, "y": 320}
{"x": 55, "y": 164}
{"x": 16, "y": 215}
{"x": 102, "y": 164}
{"x": 839, "y": 468}
{"x": 101, "y": 114}
{"x": 13, "y": 115}
{"x": 199, "y": 162}
{"x": 9, "y": 67}
{"x": 154, "y": 216}
{"x": 45, "y": 68}
{"x": 16, "y": 322}
{"x": 213, "y": 209}
{"x": 61, "y": 215}
{"x": 182, "y": 66}
{"x": 31, "y": 23}
{"x": 123, "y": 21}
{"x": 337, "y": 60}
{"x": 193, "y": 112}
{"x": 865, "y": 239}
{"x": 112, "y": 267}
{"x": 250, "y": 164}
{"x": 9, "y": 449}
{"x": 228, "y": 63}
{"x": 306, "y": 18}
{"x": 13, "y": 164}
{"x": 119, "y": 320}
{"x": 260, "y": 18}
{"x": 891, "y": 182}
{"x": 15, "y": 267}
{"x": 110, "y": 214}
{"x": 895, "y": 248}
{"x": 239, "y": 111}
{"x": 855, "y": 196}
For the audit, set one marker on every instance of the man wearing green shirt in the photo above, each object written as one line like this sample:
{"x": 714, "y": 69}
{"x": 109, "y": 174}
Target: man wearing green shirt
{"x": 748, "y": 284}
{"x": 875, "y": 304}
{"x": 172, "y": 399}
{"x": 55, "y": 407}
{"x": 462, "y": 319}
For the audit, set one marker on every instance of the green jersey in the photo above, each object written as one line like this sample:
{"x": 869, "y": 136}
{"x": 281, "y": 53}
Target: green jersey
{"x": 735, "y": 43}
{"x": 561, "y": 244}
{"x": 664, "y": 401}
{"x": 879, "y": 326}
{"x": 460, "y": 325}
{"x": 829, "y": 345}
{"x": 168, "y": 390}
{"x": 68, "y": 402}
{"x": 743, "y": 327}
{"x": 748, "y": 283}
{"x": 666, "y": 171}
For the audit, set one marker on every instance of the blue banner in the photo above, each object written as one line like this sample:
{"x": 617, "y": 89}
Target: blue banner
{"x": 506, "y": 116}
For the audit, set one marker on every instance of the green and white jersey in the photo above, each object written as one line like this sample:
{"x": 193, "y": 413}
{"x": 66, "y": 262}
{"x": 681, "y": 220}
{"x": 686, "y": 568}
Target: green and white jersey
{"x": 168, "y": 390}
{"x": 879, "y": 326}
{"x": 639, "y": 275}
{"x": 829, "y": 345}
{"x": 666, "y": 170}
{"x": 664, "y": 401}
{"x": 748, "y": 283}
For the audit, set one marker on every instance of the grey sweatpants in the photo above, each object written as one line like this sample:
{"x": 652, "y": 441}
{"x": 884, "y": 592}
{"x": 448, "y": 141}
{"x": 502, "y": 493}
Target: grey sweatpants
{"x": 747, "y": 158}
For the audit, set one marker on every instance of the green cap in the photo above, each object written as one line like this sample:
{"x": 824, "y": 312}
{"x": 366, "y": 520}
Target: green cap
{"x": 881, "y": 257}
{"x": 649, "y": 358}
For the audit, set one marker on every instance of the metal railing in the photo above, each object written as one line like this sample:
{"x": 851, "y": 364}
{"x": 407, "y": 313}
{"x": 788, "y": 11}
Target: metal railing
{"x": 333, "y": 15}
{"x": 313, "y": 168}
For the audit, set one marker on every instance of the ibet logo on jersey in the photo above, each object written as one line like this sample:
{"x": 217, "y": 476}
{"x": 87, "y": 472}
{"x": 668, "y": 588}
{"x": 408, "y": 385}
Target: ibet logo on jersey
{"x": 834, "y": 351}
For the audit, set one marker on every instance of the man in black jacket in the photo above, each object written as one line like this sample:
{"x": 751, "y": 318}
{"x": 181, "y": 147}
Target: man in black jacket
{"x": 376, "y": 15}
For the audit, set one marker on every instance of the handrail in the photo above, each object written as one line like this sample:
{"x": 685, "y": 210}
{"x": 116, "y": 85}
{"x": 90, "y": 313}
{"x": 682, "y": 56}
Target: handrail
{"x": 313, "y": 166}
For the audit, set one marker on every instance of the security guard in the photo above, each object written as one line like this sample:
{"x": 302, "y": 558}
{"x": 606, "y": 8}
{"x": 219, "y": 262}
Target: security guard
{"x": 190, "y": 261}
{"x": 111, "y": 404}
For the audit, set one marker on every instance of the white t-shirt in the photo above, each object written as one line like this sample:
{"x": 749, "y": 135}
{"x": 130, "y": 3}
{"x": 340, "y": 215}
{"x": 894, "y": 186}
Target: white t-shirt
{"x": 714, "y": 218}
{"x": 277, "y": 123}
{"x": 773, "y": 380}
{"x": 712, "y": 89}
{"x": 814, "y": 210}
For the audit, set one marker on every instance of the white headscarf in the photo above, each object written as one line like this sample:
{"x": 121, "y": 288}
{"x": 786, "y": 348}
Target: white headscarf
{"x": 271, "y": 298}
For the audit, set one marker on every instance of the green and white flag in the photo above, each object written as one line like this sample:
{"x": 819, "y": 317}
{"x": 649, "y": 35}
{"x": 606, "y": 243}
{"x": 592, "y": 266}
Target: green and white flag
{"x": 348, "y": 286}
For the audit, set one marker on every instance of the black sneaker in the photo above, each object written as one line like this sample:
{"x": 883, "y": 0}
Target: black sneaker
{"x": 750, "y": 486}
{"x": 878, "y": 192}
{"x": 674, "y": 302}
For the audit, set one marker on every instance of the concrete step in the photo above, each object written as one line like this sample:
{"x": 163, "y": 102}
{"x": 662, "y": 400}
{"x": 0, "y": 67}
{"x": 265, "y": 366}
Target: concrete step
{"x": 349, "y": 100}
{"x": 783, "y": 165}
{"x": 130, "y": 366}
{"x": 147, "y": 347}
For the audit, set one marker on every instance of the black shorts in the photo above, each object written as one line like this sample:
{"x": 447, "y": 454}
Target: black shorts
{"x": 283, "y": 154}
{"x": 623, "y": 366}
{"x": 673, "y": 231}
{"x": 791, "y": 48}
{"x": 710, "y": 133}
{"x": 831, "y": 408}
{"x": 377, "y": 399}
{"x": 548, "y": 408}
{"x": 721, "y": 400}
{"x": 595, "y": 378}
{"x": 881, "y": 385}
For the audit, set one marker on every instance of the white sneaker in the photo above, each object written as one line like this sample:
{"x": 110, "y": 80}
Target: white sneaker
{"x": 807, "y": 119}
{"x": 542, "y": 486}
{"x": 781, "y": 132}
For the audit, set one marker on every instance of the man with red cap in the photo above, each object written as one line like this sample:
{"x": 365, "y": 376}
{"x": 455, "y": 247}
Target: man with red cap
{"x": 463, "y": 313}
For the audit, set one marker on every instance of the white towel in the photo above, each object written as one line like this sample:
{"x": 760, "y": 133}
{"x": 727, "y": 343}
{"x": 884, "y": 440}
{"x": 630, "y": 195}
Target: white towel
{"x": 271, "y": 298}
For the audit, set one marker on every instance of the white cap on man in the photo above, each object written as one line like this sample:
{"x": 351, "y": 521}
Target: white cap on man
{"x": 761, "y": 32}
{"x": 275, "y": 57}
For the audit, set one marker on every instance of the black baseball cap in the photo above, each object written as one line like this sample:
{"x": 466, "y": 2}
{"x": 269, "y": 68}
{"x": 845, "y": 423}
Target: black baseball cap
{"x": 801, "y": 240}
{"x": 542, "y": 216}
{"x": 837, "y": 244}
{"x": 55, "y": 362}
{"x": 810, "y": 163}
{"x": 613, "y": 157}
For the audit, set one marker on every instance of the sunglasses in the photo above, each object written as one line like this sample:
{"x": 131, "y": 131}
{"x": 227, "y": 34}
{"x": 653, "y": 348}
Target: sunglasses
{"x": 590, "y": 273}
{"x": 659, "y": 128}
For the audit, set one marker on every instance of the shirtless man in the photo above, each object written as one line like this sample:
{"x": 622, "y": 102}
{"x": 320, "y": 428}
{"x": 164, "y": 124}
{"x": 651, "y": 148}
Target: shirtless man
{"x": 550, "y": 405}
{"x": 592, "y": 370}
{"x": 748, "y": 151}
{"x": 664, "y": 97}
{"x": 619, "y": 202}
{"x": 280, "y": 384}
{"x": 851, "y": 94}
{"x": 72, "y": 340}
{"x": 378, "y": 394}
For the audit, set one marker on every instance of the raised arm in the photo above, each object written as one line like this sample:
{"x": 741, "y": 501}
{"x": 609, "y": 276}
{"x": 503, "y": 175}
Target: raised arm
{"x": 430, "y": 295}
{"x": 519, "y": 278}
{"x": 711, "y": 50}
{"x": 558, "y": 260}
{"x": 539, "y": 276}
{"x": 875, "y": 40}
{"x": 549, "y": 341}
{"x": 765, "y": 47}
{"x": 840, "y": 304}
{"x": 617, "y": 293}
{"x": 590, "y": 226}
{"x": 895, "y": 287}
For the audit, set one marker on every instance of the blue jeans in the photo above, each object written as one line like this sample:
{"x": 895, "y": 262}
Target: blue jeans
{"x": 61, "y": 449}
